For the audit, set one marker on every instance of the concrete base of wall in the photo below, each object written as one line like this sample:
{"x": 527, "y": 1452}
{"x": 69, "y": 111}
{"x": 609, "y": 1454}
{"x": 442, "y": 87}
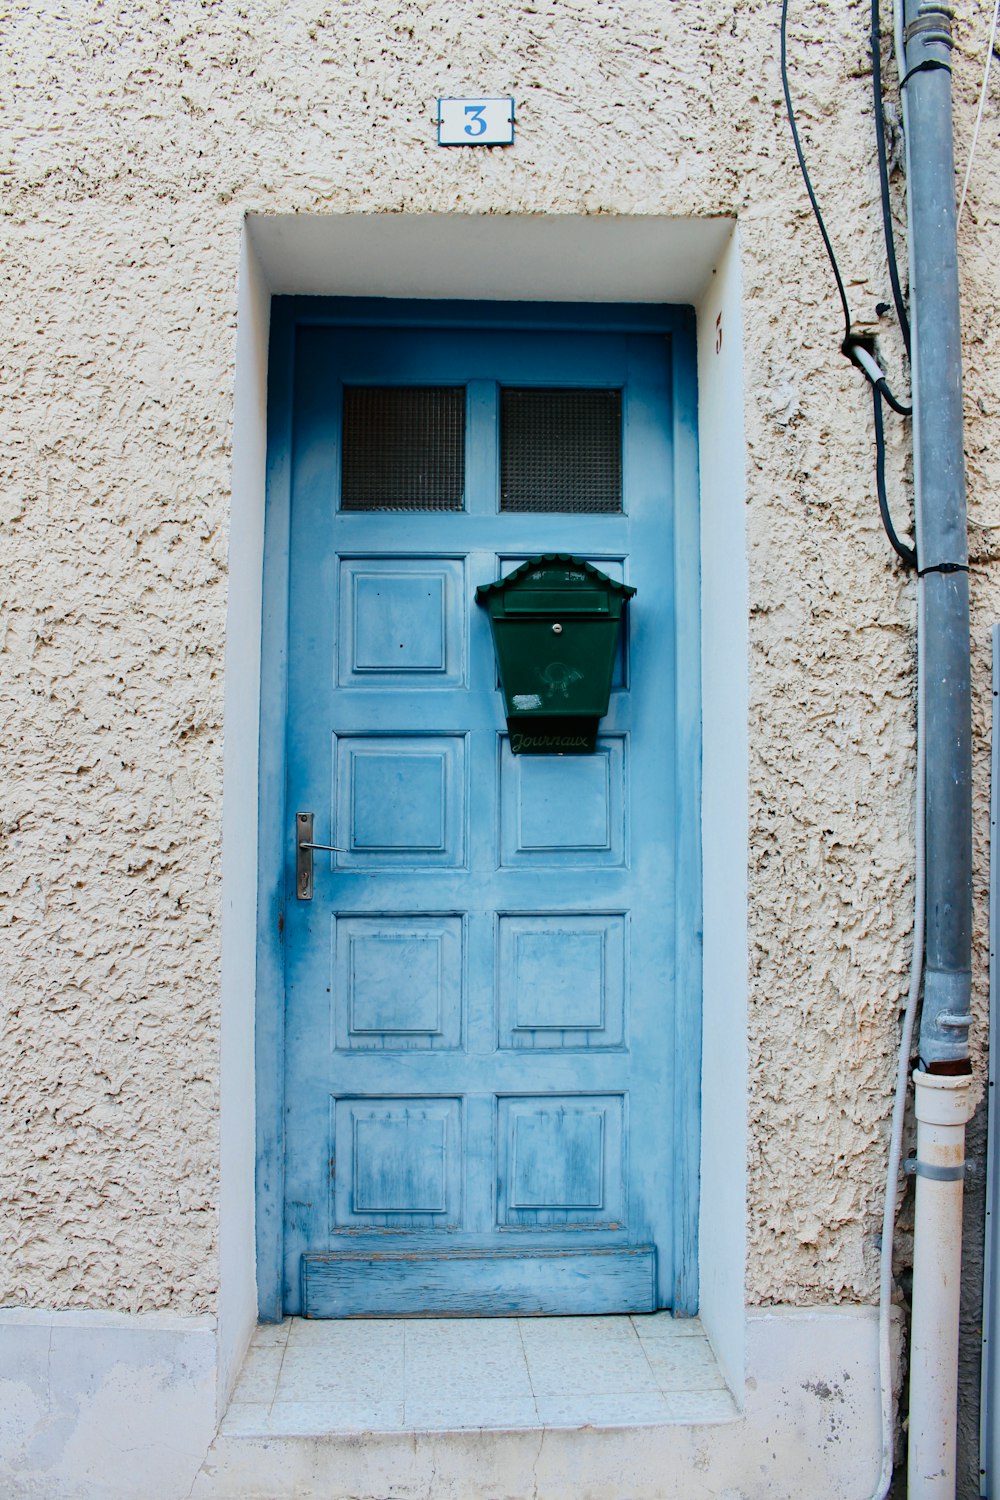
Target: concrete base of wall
{"x": 100, "y": 1407}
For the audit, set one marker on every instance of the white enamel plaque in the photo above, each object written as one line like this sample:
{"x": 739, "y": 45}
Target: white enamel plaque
{"x": 475, "y": 122}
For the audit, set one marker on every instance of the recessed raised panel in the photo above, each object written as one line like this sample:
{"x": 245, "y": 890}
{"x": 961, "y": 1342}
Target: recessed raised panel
{"x": 560, "y": 1162}
{"x": 400, "y": 801}
{"x": 558, "y": 979}
{"x": 563, "y": 810}
{"x": 397, "y": 1163}
{"x": 401, "y": 622}
{"x": 397, "y": 982}
{"x": 561, "y": 980}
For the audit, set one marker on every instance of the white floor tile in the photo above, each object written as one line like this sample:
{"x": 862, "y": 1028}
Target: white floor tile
{"x": 588, "y": 1364}
{"x": 347, "y": 1413}
{"x": 700, "y": 1406}
{"x": 472, "y": 1336}
{"x": 347, "y": 1336}
{"x": 266, "y": 1335}
{"x": 577, "y": 1331}
{"x": 343, "y": 1367}
{"x": 665, "y": 1325}
{"x": 478, "y": 1411}
{"x": 316, "y": 1383}
{"x": 635, "y": 1408}
{"x": 687, "y": 1365}
{"x": 258, "y": 1379}
{"x": 306, "y": 1378}
{"x": 484, "y": 1357}
{"x": 440, "y": 1383}
{"x": 245, "y": 1419}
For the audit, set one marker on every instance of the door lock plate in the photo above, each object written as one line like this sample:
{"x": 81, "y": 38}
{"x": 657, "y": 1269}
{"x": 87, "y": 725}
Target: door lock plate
{"x": 303, "y": 856}
{"x": 304, "y": 847}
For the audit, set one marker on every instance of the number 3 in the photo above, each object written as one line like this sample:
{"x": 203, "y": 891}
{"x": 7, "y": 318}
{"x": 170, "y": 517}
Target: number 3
{"x": 477, "y": 125}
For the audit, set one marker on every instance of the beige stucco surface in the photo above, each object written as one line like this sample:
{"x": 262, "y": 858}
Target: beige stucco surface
{"x": 133, "y": 138}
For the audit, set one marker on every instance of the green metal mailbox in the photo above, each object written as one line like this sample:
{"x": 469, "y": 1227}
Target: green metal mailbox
{"x": 556, "y": 621}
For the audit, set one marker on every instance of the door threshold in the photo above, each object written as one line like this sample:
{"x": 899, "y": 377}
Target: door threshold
{"x": 311, "y": 1378}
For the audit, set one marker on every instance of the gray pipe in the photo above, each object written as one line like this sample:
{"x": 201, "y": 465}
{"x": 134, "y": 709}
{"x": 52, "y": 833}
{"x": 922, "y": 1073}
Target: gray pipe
{"x": 942, "y": 546}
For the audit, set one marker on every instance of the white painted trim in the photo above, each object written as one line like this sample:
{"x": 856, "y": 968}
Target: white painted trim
{"x": 725, "y": 689}
{"x": 498, "y": 257}
{"x": 566, "y": 257}
{"x": 238, "y": 1285}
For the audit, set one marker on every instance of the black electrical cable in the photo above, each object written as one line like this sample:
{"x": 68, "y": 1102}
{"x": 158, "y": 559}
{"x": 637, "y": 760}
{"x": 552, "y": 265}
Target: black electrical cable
{"x": 852, "y": 342}
{"x": 805, "y": 173}
{"x": 882, "y": 386}
{"x": 907, "y": 553}
{"x": 883, "y": 177}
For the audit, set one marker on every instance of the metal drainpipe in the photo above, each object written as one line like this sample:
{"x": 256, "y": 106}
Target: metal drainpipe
{"x": 942, "y": 1083}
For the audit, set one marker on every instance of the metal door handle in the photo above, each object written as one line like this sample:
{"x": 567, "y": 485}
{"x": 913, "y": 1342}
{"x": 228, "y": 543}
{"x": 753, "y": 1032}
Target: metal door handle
{"x": 304, "y": 847}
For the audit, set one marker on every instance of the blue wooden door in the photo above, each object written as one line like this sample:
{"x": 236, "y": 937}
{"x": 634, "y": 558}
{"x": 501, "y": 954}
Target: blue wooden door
{"x": 479, "y": 1039}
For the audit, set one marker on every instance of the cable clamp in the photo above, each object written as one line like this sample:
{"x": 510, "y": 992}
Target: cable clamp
{"x": 915, "y": 1168}
{"x": 929, "y": 65}
{"x": 944, "y": 567}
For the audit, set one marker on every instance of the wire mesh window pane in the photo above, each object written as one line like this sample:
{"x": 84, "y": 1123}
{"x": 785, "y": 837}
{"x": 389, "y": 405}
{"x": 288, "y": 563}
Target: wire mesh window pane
{"x": 561, "y": 450}
{"x": 403, "y": 448}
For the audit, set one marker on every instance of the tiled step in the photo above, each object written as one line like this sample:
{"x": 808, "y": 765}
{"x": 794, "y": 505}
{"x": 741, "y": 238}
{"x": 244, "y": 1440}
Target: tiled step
{"x": 465, "y": 1406}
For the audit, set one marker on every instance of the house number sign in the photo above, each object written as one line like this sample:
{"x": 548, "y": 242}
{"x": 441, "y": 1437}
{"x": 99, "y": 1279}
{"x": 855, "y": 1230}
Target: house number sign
{"x": 475, "y": 122}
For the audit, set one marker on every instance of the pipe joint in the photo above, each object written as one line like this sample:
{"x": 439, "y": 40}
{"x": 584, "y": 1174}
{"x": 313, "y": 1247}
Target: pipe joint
{"x": 931, "y": 25}
{"x": 943, "y": 1099}
{"x": 946, "y": 1017}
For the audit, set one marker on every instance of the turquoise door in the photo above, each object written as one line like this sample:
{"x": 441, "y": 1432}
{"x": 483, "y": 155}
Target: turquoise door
{"x": 480, "y": 1049}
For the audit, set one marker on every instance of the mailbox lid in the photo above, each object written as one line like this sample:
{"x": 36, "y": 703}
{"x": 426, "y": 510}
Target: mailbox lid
{"x": 555, "y": 583}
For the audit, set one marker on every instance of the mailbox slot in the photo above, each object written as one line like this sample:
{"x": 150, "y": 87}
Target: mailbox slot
{"x": 551, "y": 601}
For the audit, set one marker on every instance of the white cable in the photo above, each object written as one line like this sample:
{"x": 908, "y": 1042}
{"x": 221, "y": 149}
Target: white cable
{"x": 864, "y": 359}
{"x": 899, "y": 47}
{"x": 886, "y": 1403}
{"x": 888, "y": 1411}
{"x": 979, "y": 114}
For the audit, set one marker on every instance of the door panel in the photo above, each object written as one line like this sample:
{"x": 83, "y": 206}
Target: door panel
{"x": 561, "y": 980}
{"x": 402, "y": 623}
{"x": 397, "y": 981}
{"x": 479, "y": 1067}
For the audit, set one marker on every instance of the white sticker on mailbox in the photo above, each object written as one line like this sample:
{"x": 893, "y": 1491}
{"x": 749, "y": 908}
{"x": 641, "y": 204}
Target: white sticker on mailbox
{"x": 475, "y": 122}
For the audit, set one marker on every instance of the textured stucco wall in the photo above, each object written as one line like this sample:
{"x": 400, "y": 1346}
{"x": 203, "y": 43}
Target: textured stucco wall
{"x": 133, "y": 138}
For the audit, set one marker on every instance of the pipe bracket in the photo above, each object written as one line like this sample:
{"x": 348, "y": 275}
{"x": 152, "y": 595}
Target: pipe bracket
{"x": 915, "y": 1168}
